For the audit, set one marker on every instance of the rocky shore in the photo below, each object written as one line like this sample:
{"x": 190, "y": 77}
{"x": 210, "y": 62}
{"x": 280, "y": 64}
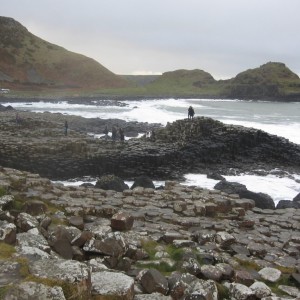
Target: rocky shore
{"x": 177, "y": 242}
{"x": 180, "y": 242}
{"x": 38, "y": 144}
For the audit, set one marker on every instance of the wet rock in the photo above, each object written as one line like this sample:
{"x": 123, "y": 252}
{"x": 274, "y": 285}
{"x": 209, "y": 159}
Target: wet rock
{"x": 110, "y": 285}
{"x": 153, "y": 281}
{"x": 143, "y": 181}
{"x": 296, "y": 198}
{"x": 111, "y": 182}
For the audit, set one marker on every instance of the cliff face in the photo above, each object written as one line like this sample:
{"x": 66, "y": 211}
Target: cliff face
{"x": 30, "y": 61}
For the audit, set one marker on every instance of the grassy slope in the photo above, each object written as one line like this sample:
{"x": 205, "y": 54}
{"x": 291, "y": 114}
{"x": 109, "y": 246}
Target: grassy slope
{"x": 25, "y": 58}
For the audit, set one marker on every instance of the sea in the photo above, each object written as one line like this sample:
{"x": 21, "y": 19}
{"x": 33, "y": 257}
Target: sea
{"x": 277, "y": 118}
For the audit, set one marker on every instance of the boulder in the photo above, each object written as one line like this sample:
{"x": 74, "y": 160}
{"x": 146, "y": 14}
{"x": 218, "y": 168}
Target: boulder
{"x": 211, "y": 272}
{"x": 241, "y": 292}
{"x": 77, "y": 221}
{"x": 202, "y": 289}
{"x": 260, "y": 289}
{"x": 28, "y": 239}
{"x": 143, "y": 181}
{"x": 122, "y": 221}
{"x": 297, "y": 198}
{"x": 5, "y": 201}
{"x": 153, "y": 281}
{"x": 8, "y": 232}
{"x": 261, "y": 200}
{"x": 35, "y": 207}
{"x": 178, "y": 283}
{"x": 287, "y": 204}
{"x": 111, "y": 182}
{"x": 70, "y": 272}
{"x": 230, "y": 187}
{"x": 110, "y": 285}
{"x": 224, "y": 239}
{"x": 270, "y": 274}
{"x": 25, "y": 222}
{"x": 215, "y": 176}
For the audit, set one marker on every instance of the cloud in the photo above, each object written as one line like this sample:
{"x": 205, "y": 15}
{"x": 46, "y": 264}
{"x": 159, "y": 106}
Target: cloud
{"x": 221, "y": 37}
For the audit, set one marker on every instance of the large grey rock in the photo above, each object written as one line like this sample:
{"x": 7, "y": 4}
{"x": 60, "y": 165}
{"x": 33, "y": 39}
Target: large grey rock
{"x": 113, "y": 244}
{"x": 270, "y": 274}
{"x": 110, "y": 285}
{"x": 211, "y": 272}
{"x": 202, "y": 289}
{"x": 33, "y": 290}
{"x": 69, "y": 271}
{"x": 241, "y": 292}
{"x": 5, "y": 201}
{"x": 224, "y": 239}
{"x": 26, "y": 222}
{"x": 178, "y": 283}
{"x": 153, "y": 281}
{"x": 29, "y": 239}
{"x": 10, "y": 272}
{"x": 8, "y": 232}
{"x": 260, "y": 289}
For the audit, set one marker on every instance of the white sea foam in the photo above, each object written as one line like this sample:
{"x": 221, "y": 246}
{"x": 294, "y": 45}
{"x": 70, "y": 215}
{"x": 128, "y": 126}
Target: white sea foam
{"x": 278, "y": 188}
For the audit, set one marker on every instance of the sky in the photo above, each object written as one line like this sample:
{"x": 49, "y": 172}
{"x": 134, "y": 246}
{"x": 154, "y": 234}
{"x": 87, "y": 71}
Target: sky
{"x": 222, "y": 37}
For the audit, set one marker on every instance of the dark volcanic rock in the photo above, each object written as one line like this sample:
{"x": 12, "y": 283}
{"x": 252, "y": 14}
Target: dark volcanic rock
{"x": 262, "y": 200}
{"x": 297, "y": 198}
{"x": 111, "y": 182}
{"x": 143, "y": 181}
{"x": 287, "y": 204}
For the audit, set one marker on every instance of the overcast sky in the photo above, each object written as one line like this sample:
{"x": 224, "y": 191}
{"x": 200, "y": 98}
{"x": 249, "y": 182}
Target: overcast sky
{"x": 222, "y": 37}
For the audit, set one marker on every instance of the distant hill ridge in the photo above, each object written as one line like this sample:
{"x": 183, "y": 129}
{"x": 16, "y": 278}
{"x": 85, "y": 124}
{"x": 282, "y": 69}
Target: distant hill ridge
{"x": 27, "y": 59}
{"x": 28, "y": 63}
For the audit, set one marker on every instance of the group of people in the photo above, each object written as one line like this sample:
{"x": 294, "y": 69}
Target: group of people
{"x": 114, "y": 133}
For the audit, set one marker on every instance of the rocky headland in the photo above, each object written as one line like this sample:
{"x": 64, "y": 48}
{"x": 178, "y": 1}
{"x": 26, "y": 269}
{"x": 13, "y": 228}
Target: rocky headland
{"x": 177, "y": 242}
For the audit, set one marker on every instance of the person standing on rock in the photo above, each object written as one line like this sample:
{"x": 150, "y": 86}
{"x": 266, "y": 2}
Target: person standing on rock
{"x": 191, "y": 113}
{"x": 66, "y": 127}
{"x": 114, "y": 133}
{"x": 106, "y": 132}
{"x": 122, "y": 136}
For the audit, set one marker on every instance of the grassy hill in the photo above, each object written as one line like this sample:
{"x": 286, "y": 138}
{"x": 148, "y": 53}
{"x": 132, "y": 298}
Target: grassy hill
{"x": 271, "y": 80}
{"x": 28, "y": 61}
